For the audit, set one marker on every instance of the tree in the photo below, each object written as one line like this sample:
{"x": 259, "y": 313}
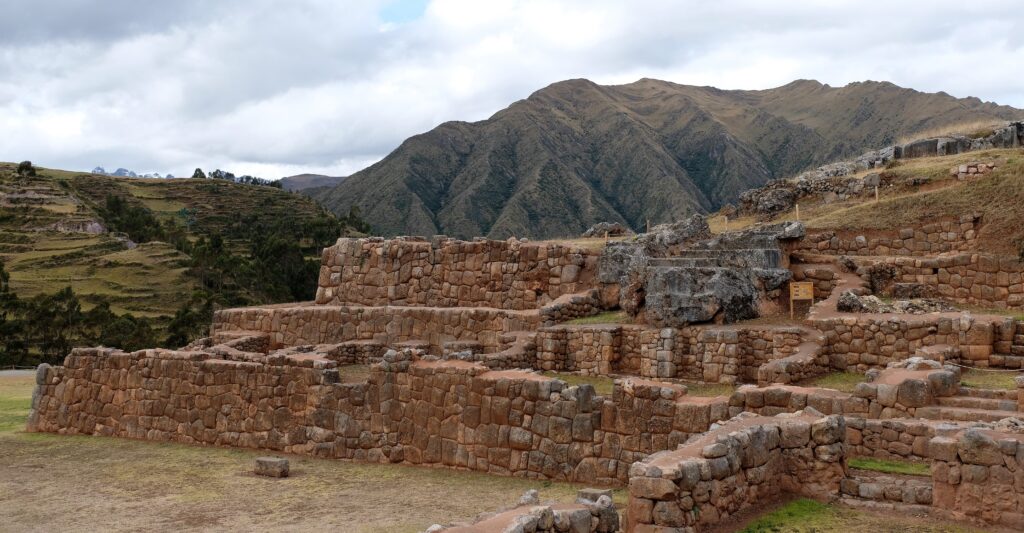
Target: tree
{"x": 54, "y": 323}
{"x": 25, "y": 168}
{"x": 199, "y": 174}
{"x": 191, "y": 321}
{"x": 12, "y": 332}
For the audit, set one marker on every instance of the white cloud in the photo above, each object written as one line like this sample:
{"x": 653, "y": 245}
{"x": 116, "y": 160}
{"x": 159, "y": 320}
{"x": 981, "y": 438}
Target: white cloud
{"x": 274, "y": 88}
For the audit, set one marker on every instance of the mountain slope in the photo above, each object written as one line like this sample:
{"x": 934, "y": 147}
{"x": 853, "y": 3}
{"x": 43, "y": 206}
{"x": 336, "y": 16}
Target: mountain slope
{"x": 301, "y": 182}
{"x": 576, "y": 153}
{"x": 55, "y": 232}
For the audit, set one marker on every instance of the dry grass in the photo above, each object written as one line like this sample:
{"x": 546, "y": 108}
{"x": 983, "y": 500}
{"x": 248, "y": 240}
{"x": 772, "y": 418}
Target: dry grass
{"x": 973, "y": 129}
{"x": 997, "y": 197}
{"x": 61, "y": 483}
{"x": 603, "y": 385}
{"x": 840, "y": 381}
{"x": 982, "y": 379}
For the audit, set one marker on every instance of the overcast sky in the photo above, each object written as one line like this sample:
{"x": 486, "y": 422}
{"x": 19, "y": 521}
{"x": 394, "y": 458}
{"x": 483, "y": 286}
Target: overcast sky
{"x": 273, "y": 88}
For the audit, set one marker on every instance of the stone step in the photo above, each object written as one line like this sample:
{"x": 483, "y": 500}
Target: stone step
{"x": 995, "y": 394}
{"x": 989, "y": 404}
{"x": 1002, "y": 360}
{"x": 961, "y": 414}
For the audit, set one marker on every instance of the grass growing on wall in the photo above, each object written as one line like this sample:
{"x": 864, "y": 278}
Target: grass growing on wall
{"x": 808, "y": 516}
{"x": 889, "y": 466}
{"x": 607, "y": 317}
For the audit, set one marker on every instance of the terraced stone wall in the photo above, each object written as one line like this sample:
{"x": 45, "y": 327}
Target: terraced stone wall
{"x": 977, "y": 279}
{"x": 446, "y": 413}
{"x": 872, "y": 341}
{"x": 450, "y": 273}
{"x": 743, "y": 464}
{"x": 329, "y": 324}
{"x": 960, "y": 234}
{"x": 979, "y": 474}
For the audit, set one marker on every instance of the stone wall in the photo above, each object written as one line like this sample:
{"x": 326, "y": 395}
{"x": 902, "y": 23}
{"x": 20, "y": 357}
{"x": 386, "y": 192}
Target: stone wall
{"x": 930, "y": 239}
{"x": 745, "y": 463}
{"x": 329, "y": 324}
{"x": 595, "y": 350}
{"x": 451, "y": 273}
{"x": 451, "y": 413}
{"x": 979, "y": 474}
{"x": 727, "y": 354}
{"x": 872, "y": 341}
{"x": 976, "y": 279}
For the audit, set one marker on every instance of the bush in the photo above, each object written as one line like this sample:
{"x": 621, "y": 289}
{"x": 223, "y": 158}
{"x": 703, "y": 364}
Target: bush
{"x": 25, "y": 168}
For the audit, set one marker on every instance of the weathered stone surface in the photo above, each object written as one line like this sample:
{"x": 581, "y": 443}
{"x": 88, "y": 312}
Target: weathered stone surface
{"x": 271, "y": 467}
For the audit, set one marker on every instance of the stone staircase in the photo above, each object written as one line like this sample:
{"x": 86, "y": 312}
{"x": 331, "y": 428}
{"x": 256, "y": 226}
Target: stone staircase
{"x": 974, "y": 405}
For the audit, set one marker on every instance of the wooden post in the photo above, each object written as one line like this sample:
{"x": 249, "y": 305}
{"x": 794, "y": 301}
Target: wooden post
{"x": 606, "y": 237}
{"x": 798, "y": 211}
{"x": 648, "y": 226}
{"x": 726, "y": 222}
{"x": 876, "y": 193}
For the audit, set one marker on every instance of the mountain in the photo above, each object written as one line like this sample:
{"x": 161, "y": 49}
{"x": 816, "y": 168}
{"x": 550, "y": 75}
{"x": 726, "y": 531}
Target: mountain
{"x": 576, "y": 153}
{"x": 301, "y": 182}
{"x": 125, "y": 173}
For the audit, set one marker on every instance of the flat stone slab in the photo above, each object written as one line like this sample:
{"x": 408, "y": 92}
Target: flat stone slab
{"x": 591, "y": 495}
{"x": 271, "y": 467}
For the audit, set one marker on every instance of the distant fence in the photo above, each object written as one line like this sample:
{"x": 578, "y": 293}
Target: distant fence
{"x": 15, "y": 367}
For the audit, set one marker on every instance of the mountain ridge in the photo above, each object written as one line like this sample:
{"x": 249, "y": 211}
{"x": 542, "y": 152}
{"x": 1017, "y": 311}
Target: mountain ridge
{"x": 575, "y": 153}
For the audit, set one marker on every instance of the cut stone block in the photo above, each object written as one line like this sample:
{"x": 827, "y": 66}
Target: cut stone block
{"x": 271, "y": 467}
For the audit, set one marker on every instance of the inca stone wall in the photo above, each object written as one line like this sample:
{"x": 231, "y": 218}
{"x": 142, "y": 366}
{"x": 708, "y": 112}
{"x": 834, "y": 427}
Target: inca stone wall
{"x": 977, "y": 279}
{"x": 868, "y": 341}
{"x": 979, "y": 474}
{"x": 450, "y": 273}
{"x": 713, "y": 354}
{"x": 327, "y": 324}
{"x": 450, "y": 413}
{"x": 929, "y": 239}
{"x": 743, "y": 464}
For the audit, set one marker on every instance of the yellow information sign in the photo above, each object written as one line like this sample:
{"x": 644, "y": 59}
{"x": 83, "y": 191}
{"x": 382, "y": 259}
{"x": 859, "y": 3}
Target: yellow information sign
{"x": 800, "y": 290}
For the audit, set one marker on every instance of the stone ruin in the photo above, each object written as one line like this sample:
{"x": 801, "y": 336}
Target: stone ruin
{"x": 836, "y": 181}
{"x": 454, "y": 334}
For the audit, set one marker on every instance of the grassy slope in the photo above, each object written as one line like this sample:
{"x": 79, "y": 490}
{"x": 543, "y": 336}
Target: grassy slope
{"x": 998, "y": 197}
{"x": 149, "y": 280}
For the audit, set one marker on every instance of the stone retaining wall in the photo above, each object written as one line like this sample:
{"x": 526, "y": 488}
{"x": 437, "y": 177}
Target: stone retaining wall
{"x": 740, "y": 465}
{"x": 451, "y": 413}
{"x": 930, "y": 239}
{"x": 450, "y": 273}
{"x": 329, "y": 324}
{"x": 976, "y": 279}
{"x": 713, "y": 355}
{"x": 979, "y": 474}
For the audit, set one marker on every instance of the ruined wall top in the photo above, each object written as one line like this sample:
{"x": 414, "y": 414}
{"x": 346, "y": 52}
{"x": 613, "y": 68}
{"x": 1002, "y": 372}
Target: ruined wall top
{"x": 444, "y": 272}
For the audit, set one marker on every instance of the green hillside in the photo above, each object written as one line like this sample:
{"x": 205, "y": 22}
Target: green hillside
{"x": 156, "y": 248}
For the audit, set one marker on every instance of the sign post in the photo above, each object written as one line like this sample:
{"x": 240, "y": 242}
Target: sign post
{"x": 800, "y": 290}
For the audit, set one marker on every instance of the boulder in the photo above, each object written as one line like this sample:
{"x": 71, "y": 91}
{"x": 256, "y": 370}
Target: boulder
{"x": 976, "y": 448}
{"x": 611, "y": 229}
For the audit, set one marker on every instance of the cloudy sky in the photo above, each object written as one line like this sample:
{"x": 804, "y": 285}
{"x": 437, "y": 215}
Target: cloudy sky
{"x": 274, "y": 88}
